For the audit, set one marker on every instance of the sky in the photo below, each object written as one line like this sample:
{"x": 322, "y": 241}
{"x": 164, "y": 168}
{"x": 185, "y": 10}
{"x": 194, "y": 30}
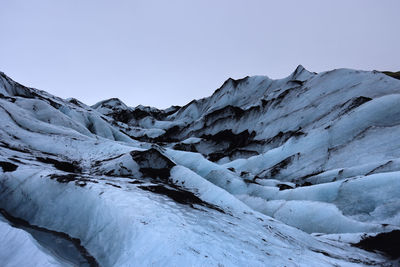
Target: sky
{"x": 163, "y": 53}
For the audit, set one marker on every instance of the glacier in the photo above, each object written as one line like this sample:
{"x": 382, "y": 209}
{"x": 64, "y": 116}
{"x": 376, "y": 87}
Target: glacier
{"x": 298, "y": 171}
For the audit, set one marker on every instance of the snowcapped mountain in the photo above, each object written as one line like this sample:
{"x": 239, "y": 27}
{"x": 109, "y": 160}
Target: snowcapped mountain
{"x": 300, "y": 171}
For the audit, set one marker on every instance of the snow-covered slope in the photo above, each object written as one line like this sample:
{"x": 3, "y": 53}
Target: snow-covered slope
{"x": 284, "y": 172}
{"x": 18, "y": 248}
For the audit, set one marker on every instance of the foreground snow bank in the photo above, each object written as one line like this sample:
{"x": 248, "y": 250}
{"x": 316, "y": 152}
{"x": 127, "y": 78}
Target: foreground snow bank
{"x": 123, "y": 225}
{"x": 19, "y": 248}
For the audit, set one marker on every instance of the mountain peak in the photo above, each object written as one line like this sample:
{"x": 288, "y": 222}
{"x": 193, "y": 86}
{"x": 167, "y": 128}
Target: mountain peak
{"x": 300, "y": 73}
{"x": 113, "y": 102}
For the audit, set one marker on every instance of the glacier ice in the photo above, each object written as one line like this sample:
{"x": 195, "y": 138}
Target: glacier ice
{"x": 263, "y": 172}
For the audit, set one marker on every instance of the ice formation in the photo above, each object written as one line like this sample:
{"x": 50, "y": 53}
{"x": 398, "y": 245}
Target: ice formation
{"x": 288, "y": 172}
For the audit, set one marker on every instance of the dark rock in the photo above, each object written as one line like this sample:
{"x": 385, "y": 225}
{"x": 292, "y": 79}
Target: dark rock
{"x": 304, "y": 184}
{"x": 244, "y": 174}
{"x": 296, "y": 82}
{"x": 98, "y": 162}
{"x": 395, "y": 75}
{"x": 284, "y": 187}
{"x": 135, "y": 182}
{"x": 228, "y": 111}
{"x": 66, "y": 178}
{"x": 282, "y": 137}
{"x": 8, "y": 166}
{"x": 170, "y": 135}
{"x": 114, "y": 185}
{"x": 179, "y": 195}
{"x": 309, "y": 175}
{"x": 153, "y": 164}
{"x": 276, "y": 169}
{"x": 76, "y": 102}
{"x": 235, "y": 140}
{"x": 185, "y": 147}
{"x": 61, "y": 165}
{"x": 354, "y": 103}
{"x": 11, "y": 99}
{"x": 388, "y": 243}
{"x": 242, "y": 153}
{"x": 214, "y": 157}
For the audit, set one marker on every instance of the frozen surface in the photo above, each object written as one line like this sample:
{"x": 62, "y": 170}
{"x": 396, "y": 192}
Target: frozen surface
{"x": 284, "y": 172}
{"x": 19, "y": 248}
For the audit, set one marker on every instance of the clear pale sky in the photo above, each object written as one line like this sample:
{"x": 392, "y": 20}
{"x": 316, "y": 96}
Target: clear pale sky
{"x": 163, "y": 53}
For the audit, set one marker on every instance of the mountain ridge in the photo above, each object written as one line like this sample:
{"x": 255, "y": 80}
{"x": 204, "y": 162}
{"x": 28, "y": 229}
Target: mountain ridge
{"x": 261, "y": 172}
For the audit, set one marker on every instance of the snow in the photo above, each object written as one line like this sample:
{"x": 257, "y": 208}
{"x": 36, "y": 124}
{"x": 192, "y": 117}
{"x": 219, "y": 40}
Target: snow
{"x": 191, "y": 140}
{"x": 19, "y": 248}
{"x": 132, "y": 224}
{"x": 325, "y": 172}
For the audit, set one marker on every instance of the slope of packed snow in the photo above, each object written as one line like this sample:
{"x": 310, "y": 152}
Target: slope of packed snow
{"x": 18, "y": 248}
{"x": 263, "y": 172}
